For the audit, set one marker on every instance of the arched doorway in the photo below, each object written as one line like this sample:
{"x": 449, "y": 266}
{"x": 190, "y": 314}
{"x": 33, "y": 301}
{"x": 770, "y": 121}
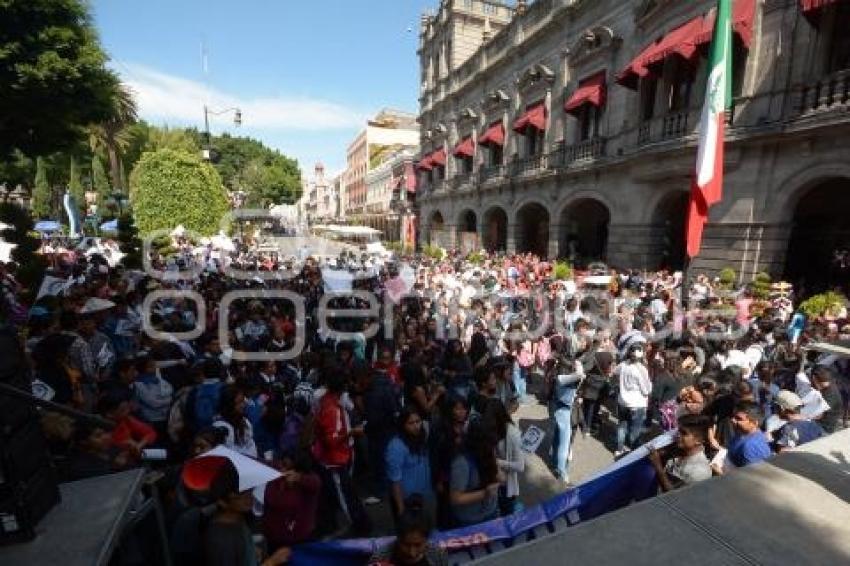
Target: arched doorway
{"x": 533, "y": 229}
{"x": 584, "y": 231}
{"x": 468, "y": 231}
{"x": 820, "y": 237}
{"x": 496, "y": 230}
{"x": 436, "y": 229}
{"x": 669, "y": 226}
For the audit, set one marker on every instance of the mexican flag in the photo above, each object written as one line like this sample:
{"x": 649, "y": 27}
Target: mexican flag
{"x": 707, "y": 187}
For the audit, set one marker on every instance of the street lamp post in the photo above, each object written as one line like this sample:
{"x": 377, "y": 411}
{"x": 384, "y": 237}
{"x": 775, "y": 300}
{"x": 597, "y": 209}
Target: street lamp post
{"x": 237, "y": 121}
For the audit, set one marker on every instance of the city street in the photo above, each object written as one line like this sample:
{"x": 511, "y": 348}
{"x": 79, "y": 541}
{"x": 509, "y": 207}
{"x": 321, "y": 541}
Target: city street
{"x": 208, "y": 211}
{"x": 537, "y": 484}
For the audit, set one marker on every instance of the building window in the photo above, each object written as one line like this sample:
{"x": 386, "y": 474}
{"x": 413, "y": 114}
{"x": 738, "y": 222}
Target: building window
{"x": 467, "y": 4}
{"x": 465, "y": 165}
{"x": 681, "y": 77}
{"x": 534, "y": 142}
{"x": 489, "y": 8}
{"x": 588, "y": 122}
{"x": 497, "y": 154}
{"x": 839, "y": 51}
{"x": 648, "y": 88}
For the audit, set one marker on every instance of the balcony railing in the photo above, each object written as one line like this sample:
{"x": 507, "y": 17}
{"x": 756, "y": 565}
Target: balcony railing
{"x": 671, "y": 126}
{"x": 491, "y": 172}
{"x": 674, "y": 125}
{"x": 461, "y": 179}
{"x": 565, "y": 155}
{"x": 828, "y": 93}
{"x": 522, "y": 165}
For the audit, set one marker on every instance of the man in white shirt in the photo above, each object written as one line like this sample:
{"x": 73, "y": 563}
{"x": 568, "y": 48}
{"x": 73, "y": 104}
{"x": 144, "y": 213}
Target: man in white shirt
{"x": 633, "y": 399}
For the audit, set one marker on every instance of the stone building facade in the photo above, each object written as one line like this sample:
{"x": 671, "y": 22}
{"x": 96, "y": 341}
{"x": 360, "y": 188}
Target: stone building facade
{"x": 319, "y": 196}
{"x": 388, "y": 187}
{"x": 388, "y": 132}
{"x": 572, "y": 132}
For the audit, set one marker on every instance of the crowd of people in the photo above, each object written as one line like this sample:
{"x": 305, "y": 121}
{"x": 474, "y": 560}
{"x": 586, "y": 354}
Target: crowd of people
{"x": 399, "y": 382}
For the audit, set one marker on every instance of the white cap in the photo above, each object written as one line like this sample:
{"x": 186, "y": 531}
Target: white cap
{"x": 96, "y": 305}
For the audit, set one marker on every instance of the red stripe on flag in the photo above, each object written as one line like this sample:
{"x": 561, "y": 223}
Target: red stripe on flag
{"x": 697, "y": 217}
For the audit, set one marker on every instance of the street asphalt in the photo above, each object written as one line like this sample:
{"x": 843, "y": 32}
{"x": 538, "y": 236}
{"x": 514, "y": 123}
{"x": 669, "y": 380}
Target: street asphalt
{"x": 537, "y": 484}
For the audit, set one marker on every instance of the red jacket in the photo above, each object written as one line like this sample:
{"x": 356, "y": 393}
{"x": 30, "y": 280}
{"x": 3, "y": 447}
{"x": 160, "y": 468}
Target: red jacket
{"x": 289, "y": 512}
{"x": 331, "y": 447}
{"x": 131, "y": 428}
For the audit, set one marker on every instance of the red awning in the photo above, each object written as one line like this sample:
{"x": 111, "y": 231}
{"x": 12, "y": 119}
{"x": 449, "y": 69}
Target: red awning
{"x": 466, "y": 148}
{"x": 812, "y": 8}
{"x": 743, "y": 14}
{"x": 410, "y": 178}
{"x": 438, "y": 158}
{"x": 534, "y": 117}
{"x": 590, "y": 91}
{"x": 686, "y": 40}
{"x": 426, "y": 163}
{"x": 495, "y": 135}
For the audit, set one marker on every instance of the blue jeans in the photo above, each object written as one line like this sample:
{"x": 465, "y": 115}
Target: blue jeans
{"x": 630, "y": 426}
{"x": 520, "y": 382}
{"x": 561, "y": 439}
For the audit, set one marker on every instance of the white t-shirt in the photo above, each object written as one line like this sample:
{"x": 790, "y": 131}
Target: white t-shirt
{"x": 247, "y": 447}
{"x": 635, "y": 385}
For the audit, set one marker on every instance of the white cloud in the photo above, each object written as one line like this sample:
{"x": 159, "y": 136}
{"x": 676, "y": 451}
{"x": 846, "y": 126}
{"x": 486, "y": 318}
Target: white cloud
{"x": 173, "y": 99}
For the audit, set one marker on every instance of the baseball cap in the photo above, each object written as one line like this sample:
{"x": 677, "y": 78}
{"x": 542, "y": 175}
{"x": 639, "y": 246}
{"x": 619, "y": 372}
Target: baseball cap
{"x": 95, "y": 304}
{"x": 788, "y": 400}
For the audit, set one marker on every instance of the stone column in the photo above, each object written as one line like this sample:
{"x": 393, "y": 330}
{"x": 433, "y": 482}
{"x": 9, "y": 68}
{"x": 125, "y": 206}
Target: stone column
{"x": 554, "y": 240}
{"x": 481, "y": 231}
{"x": 451, "y": 236}
{"x": 511, "y": 237}
{"x": 550, "y": 122}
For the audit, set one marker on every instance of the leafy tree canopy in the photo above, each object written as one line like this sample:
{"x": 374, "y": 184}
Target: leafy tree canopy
{"x": 169, "y": 188}
{"x": 53, "y": 78}
{"x": 18, "y": 232}
{"x": 41, "y": 198}
{"x": 265, "y": 174}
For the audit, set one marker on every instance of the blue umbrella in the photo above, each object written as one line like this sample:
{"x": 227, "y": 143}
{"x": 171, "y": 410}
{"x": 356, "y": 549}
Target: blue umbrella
{"x": 111, "y": 226}
{"x": 46, "y": 226}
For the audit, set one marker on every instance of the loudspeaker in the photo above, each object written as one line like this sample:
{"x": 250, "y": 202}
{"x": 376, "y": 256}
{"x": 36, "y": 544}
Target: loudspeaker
{"x": 25, "y": 504}
{"x": 28, "y": 488}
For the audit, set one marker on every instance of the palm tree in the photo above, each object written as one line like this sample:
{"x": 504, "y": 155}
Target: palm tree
{"x": 111, "y": 137}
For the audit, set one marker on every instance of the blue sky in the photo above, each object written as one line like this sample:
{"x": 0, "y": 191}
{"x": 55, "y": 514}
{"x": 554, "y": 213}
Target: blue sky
{"x": 306, "y": 73}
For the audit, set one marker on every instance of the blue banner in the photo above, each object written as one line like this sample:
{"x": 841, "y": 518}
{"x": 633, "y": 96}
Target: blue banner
{"x": 621, "y": 485}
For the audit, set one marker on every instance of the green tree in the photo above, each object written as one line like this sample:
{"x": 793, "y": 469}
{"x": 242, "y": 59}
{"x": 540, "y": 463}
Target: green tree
{"x": 31, "y": 265}
{"x": 100, "y": 183}
{"x": 17, "y": 169}
{"x": 129, "y": 242}
{"x": 172, "y": 138}
{"x": 53, "y": 75}
{"x": 41, "y": 201}
{"x": 169, "y": 188}
{"x": 75, "y": 186}
{"x": 266, "y": 175}
{"x": 112, "y": 136}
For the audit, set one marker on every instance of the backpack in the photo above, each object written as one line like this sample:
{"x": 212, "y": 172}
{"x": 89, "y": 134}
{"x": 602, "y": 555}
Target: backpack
{"x": 177, "y": 415}
{"x": 203, "y": 404}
